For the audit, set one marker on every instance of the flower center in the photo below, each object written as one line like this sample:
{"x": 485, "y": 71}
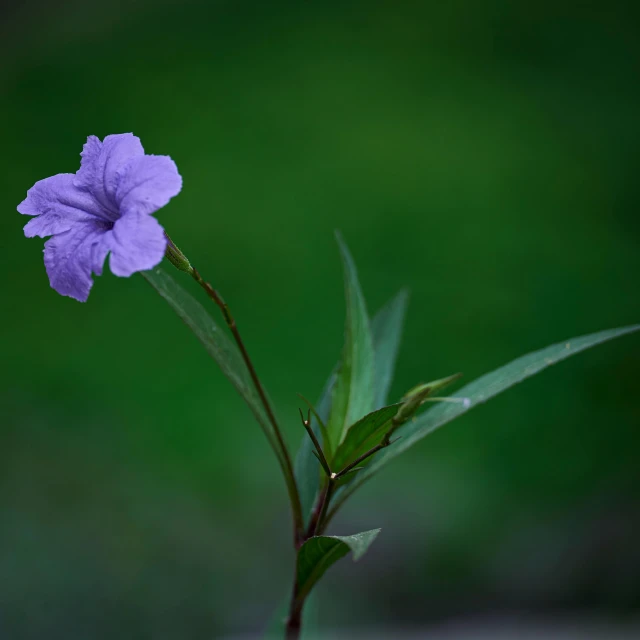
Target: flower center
{"x": 106, "y": 225}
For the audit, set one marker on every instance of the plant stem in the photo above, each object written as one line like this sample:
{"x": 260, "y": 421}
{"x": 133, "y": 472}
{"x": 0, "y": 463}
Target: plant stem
{"x": 326, "y": 441}
{"x": 320, "y": 508}
{"x": 362, "y": 458}
{"x": 294, "y": 626}
{"x": 318, "y": 522}
{"x": 331, "y": 485}
{"x": 318, "y": 451}
{"x": 292, "y": 487}
{"x": 294, "y": 621}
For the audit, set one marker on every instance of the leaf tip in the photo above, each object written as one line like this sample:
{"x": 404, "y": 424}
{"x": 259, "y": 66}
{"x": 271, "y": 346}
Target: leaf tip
{"x": 370, "y": 539}
{"x": 342, "y": 245}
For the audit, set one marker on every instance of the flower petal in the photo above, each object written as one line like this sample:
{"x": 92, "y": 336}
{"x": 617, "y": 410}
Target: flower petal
{"x": 101, "y": 165}
{"x": 138, "y": 244}
{"x": 58, "y": 205}
{"x": 147, "y": 183}
{"x": 70, "y": 257}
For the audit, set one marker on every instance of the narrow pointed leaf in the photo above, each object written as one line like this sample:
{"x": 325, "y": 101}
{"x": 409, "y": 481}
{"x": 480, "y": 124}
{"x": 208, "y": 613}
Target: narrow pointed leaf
{"x": 353, "y": 395}
{"x": 360, "y": 436}
{"x": 386, "y": 329}
{"x": 317, "y": 554}
{"x": 479, "y": 391}
{"x": 307, "y": 468}
{"x": 214, "y": 339}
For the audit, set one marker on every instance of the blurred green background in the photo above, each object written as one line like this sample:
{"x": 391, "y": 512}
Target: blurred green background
{"x": 483, "y": 154}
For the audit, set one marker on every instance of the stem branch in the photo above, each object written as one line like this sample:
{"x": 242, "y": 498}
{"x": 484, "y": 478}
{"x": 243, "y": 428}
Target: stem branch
{"x": 294, "y": 496}
{"x": 294, "y": 621}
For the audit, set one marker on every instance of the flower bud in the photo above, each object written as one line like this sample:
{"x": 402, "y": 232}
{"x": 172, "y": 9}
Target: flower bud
{"x": 177, "y": 258}
{"x": 418, "y": 395}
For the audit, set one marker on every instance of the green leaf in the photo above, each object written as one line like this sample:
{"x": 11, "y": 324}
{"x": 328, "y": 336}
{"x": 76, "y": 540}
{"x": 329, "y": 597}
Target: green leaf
{"x": 353, "y": 392}
{"x": 307, "y": 467}
{"x": 386, "y": 329}
{"x": 362, "y": 434}
{"x": 215, "y": 340}
{"x": 317, "y": 554}
{"x": 477, "y": 392}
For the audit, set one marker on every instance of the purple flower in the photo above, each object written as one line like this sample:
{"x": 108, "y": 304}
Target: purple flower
{"x": 105, "y": 207}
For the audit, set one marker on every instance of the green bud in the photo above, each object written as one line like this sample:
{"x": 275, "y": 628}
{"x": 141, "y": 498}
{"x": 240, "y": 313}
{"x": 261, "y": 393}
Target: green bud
{"x": 177, "y": 258}
{"x": 418, "y": 395}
